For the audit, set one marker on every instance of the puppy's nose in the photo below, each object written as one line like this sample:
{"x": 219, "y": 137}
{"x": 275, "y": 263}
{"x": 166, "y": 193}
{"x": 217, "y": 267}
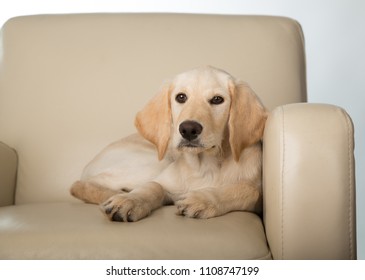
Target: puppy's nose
{"x": 190, "y": 130}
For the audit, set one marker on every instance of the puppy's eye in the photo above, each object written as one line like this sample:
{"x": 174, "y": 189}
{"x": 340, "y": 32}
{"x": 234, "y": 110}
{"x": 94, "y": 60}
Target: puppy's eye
{"x": 181, "y": 97}
{"x": 216, "y": 100}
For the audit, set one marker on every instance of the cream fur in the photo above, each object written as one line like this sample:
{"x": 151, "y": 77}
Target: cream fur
{"x": 132, "y": 177}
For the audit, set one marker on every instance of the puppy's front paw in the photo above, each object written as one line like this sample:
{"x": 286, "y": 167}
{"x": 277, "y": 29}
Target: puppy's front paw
{"x": 125, "y": 208}
{"x": 198, "y": 204}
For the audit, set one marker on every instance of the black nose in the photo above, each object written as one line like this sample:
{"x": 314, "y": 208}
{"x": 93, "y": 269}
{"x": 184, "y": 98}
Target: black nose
{"x": 190, "y": 130}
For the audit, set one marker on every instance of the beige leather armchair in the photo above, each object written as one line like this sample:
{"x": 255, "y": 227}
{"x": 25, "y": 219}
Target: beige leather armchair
{"x": 71, "y": 84}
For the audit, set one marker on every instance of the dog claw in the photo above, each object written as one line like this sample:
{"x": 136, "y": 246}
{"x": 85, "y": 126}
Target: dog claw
{"x": 180, "y": 211}
{"x": 129, "y": 217}
{"x": 116, "y": 217}
{"x": 108, "y": 210}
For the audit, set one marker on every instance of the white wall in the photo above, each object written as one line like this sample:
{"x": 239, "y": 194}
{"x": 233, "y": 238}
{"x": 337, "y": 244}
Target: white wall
{"x": 335, "y": 45}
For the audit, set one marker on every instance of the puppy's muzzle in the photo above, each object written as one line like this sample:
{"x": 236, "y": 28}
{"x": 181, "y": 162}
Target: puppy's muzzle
{"x": 190, "y": 130}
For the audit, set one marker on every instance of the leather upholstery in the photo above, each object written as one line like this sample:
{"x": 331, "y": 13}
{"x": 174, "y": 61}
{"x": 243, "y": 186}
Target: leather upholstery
{"x": 71, "y": 84}
{"x": 80, "y": 231}
{"x": 309, "y": 188}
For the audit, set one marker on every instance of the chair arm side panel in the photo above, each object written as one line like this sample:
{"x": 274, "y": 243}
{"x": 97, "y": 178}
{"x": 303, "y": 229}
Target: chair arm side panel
{"x": 309, "y": 183}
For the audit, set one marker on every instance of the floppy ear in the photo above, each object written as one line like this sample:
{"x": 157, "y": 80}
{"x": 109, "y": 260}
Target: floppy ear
{"x": 154, "y": 121}
{"x": 247, "y": 118}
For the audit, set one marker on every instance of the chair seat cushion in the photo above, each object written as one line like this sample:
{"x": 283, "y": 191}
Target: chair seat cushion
{"x": 80, "y": 231}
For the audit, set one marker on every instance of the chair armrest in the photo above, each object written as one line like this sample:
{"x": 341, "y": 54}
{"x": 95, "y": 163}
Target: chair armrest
{"x": 309, "y": 183}
{"x": 8, "y": 170}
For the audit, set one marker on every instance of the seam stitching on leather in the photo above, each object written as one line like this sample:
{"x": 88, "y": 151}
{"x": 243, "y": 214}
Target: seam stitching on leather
{"x": 349, "y": 183}
{"x": 282, "y": 184}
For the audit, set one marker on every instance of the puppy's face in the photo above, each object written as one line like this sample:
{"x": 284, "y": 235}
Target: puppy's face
{"x": 200, "y": 109}
{"x": 200, "y": 104}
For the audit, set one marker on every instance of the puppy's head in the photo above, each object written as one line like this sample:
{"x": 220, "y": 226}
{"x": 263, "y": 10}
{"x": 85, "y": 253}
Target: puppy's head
{"x": 199, "y": 110}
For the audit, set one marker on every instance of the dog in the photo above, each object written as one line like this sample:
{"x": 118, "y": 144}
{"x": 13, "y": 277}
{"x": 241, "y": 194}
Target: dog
{"x": 199, "y": 147}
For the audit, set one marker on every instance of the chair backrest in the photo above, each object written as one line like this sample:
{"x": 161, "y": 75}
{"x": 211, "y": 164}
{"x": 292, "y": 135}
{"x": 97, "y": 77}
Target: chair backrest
{"x": 70, "y": 84}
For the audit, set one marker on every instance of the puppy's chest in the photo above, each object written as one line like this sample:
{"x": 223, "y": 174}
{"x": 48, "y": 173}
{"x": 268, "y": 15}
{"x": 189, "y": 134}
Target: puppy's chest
{"x": 206, "y": 176}
{"x": 193, "y": 173}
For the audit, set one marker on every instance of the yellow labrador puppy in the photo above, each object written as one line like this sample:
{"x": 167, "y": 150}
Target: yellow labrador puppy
{"x": 199, "y": 147}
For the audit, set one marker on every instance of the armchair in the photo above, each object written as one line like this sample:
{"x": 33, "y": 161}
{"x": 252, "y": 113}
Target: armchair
{"x": 71, "y": 84}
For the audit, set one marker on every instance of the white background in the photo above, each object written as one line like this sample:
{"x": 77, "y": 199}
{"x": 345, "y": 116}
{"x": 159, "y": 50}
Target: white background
{"x": 96, "y": 270}
{"x": 335, "y": 47}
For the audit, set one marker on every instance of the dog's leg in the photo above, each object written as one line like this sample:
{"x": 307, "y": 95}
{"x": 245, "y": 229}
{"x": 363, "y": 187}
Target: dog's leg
{"x": 135, "y": 205}
{"x": 212, "y": 202}
{"x": 91, "y": 192}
